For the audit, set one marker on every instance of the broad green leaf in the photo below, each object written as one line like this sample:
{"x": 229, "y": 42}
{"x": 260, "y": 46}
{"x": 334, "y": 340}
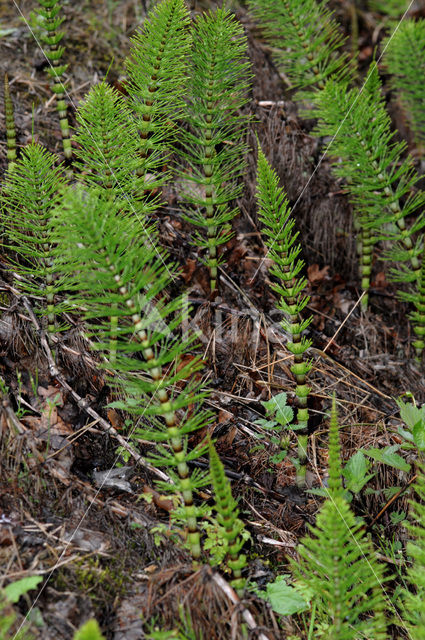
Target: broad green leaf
{"x": 284, "y": 599}
{"x": 355, "y": 472}
{"x": 405, "y": 434}
{"x": 278, "y": 408}
{"x": 419, "y": 435}
{"x": 17, "y": 589}
{"x": 389, "y": 457}
{"x": 89, "y": 631}
{"x": 410, "y": 413}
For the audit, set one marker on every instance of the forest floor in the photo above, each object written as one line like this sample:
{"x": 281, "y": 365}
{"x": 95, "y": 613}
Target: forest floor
{"x": 109, "y": 552}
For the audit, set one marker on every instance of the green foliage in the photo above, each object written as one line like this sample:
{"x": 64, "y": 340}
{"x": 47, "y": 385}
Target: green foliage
{"x": 213, "y": 145}
{"x": 356, "y": 473}
{"x": 379, "y": 181}
{"x": 227, "y": 517}
{"x": 284, "y": 250}
{"x": 10, "y": 126}
{"x": 414, "y": 596}
{"x": 284, "y": 598}
{"x": 51, "y": 36}
{"x": 157, "y": 78}
{"x": 30, "y": 193}
{"x": 15, "y": 590}
{"x": 405, "y": 59}
{"x": 279, "y": 416}
{"x": 306, "y": 40}
{"x": 337, "y": 563}
{"x": 414, "y": 418}
{"x": 119, "y": 278}
{"x": 8, "y": 596}
{"x": 108, "y": 153}
{"x": 89, "y": 631}
{"x": 390, "y": 8}
{"x": 388, "y": 455}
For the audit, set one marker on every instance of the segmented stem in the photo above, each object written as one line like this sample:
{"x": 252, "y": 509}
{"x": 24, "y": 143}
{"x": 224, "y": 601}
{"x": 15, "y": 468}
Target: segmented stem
{"x": 156, "y": 67}
{"x": 10, "y": 126}
{"x": 366, "y": 245}
{"x": 169, "y": 414}
{"x": 215, "y": 146}
{"x": 49, "y": 10}
{"x": 418, "y": 316}
{"x": 227, "y": 515}
{"x": 284, "y": 250}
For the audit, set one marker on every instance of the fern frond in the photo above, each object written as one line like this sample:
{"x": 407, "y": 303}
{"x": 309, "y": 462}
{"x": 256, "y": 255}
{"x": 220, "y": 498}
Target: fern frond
{"x": 214, "y": 146}
{"x": 284, "y": 250}
{"x": 405, "y": 59}
{"x": 30, "y": 194}
{"x": 119, "y": 279}
{"x": 414, "y": 599}
{"x": 338, "y": 565}
{"x": 227, "y": 517}
{"x": 306, "y": 41}
{"x": 157, "y": 78}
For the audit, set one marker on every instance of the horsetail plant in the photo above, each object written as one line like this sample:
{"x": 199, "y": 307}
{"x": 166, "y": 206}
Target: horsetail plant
{"x": 227, "y": 517}
{"x": 416, "y": 296}
{"x": 414, "y": 598}
{"x": 114, "y": 271}
{"x": 157, "y": 69}
{"x": 284, "y": 250}
{"x": 337, "y": 563}
{"x": 404, "y": 57}
{"x": 10, "y": 126}
{"x": 381, "y": 184}
{"x": 306, "y": 42}
{"x": 30, "y": 193}
{"x": 213, "y": 145}
{"x": 51, "y": 36}
{"x": 108, "y": 148}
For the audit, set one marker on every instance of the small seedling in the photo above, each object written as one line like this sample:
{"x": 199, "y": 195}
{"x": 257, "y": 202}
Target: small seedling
{"x": 279, "y": 416}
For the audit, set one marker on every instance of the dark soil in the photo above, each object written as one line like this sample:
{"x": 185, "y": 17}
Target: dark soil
{"x": 95, "y": 547}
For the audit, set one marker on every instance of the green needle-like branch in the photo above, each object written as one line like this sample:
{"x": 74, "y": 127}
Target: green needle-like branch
{"x": 284, "y": 250}
{"x": 214, "y": 145}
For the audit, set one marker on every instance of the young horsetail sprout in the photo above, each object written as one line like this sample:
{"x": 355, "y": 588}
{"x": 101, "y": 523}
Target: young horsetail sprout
{"x": 113, "y": 270}
{"x": 281, "y": 240}
{"x": 10, "y": 126}
{"x": 227, "y": 517}
{"x": 213, "y": 143}
{"x": 156, "y": 67}
{"x": 51, "y": 21}
{"x": 337, "y": 563}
